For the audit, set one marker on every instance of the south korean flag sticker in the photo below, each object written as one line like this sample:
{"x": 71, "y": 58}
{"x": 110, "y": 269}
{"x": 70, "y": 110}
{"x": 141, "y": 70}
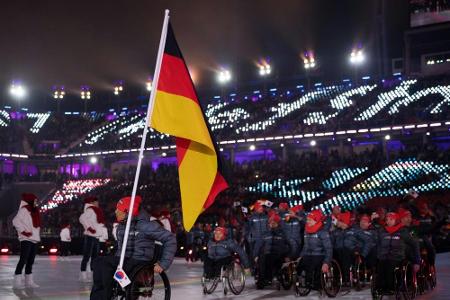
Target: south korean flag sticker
{"x": 121, "y": 277}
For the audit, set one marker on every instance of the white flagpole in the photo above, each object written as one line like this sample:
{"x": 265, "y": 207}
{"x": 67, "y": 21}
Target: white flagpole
{"x": 162, "y": 45}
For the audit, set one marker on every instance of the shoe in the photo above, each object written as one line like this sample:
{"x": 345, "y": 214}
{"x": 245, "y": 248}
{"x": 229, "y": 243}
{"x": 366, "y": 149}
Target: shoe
{"x": 18, "y": 282}
{"x": 29, "y": 281}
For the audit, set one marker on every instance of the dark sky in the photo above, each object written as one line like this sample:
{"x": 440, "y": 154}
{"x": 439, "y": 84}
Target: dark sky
{"x": 96, "y": 42}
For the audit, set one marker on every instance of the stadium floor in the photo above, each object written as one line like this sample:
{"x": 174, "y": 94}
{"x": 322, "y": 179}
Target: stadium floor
{"x": 59, "y": 280}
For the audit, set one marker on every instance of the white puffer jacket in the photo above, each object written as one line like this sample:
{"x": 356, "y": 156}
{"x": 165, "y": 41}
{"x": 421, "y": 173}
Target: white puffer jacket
{"x": 103, "y": 237}
{"x": 65, "y": 235}
{"x": 23, "y": 222}
{"x": 89, "y": 219}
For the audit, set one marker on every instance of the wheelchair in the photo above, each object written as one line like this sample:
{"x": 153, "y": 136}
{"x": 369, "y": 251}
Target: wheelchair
{"x": 330, "y": 282}
{"x": 426, "y": 277}
{"x": 405, "y": 283}
{"x": 145, "y": 283}
{"x": 287, "y": 274}
{"x": 232, "y": 277}
{"x": 359, "y": 273}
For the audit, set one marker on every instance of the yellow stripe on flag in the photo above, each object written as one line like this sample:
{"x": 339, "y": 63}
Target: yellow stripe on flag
{"x": 197, "y": 173}
{"x": 181, "y": 117}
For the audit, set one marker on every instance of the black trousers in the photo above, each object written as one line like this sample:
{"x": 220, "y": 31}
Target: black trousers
{"x": 65, "y": 246}
{"x": 431, "y": 251}
{"x": 27, "y": 255}
{"x": 269, "y": 266}
{"x": 345, "y": 258}
{"x": 90, "y": 251}
{"x": 312, "y": 265}
{"x": 371, "y": 259}
{"x": 104, "y": 269}
{"x": 211, "y": 267}
{"x": 385, "y": 274}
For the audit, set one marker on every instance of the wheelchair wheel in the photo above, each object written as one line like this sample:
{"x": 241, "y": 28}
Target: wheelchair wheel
{"x": 358, "y": 276}
{"x": 422, "y": 278}
{"x": 146, "y": 284}
{"x": 431, "y": 276}
{"x": 224, "y": 284}
{"x": 410, "y": 281}
{"x": 302, "y": 289}
{"x": 209, "y": 285}
{"x": 117, "y": 292}
{"x": 332, "y": 281}
{"x": 373, "y": 288}
{"x": 236, "y": 278}
{"x": 402, "y": 290}
{"x": 286, "y": 276}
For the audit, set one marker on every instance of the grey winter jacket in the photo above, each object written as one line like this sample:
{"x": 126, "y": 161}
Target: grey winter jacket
{"x": 292, "y": 229}
{"x": 317, "y": 244}
{"x": 393, "y": 246}
{"x": 256, "y": 227}
{"x": 226, "y": 248}
{"x": 356, "y": 240}
{"x": 141, "y": 240}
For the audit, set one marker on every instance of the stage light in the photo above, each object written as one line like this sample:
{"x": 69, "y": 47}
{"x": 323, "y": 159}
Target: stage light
{"x": 357, "y": 56}
{"x": 148, "y": 84}
{"x": 164, "y": 154}
{"x": 4, "y": 251}
{"x": 309, "y": 62}
{"x": 17, "y": 90}
{"x": 428, "y": 133}
{"x": 53, "y": 250}
{"x": 58, "y": 92}
{"x": 265, "y": 69}
{"x": 118, "y": 87}
{"x": 252, "y": 148}
{"x": 93, "y": 160}
{"x": 224, "y": 76}
{"x": 85, "y": 92}
{"x": 313, "y": 143}
{"x": 387, "y": 137}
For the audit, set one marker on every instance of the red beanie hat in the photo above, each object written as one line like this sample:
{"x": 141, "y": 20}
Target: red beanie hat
{"x": 124, "y": 204}
{"x": 283, "y": 205}
{"x": 402, "y": 212}
{"x": 90, "y": 200}
{"x": 257, "y": 205}
{"x": 271, "y": 213}
{"x": 393, "y": 215}
{"x": 29, "y": 198}
{"x": 344, "y": 217}
{"x": 296, "y": 209}
{"x": 316, "y": 215}
{"x": 275, "y": 218}
{"x": 222, "y": 229}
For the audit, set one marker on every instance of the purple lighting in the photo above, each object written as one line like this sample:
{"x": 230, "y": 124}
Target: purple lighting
{"x": 244, "y": 156}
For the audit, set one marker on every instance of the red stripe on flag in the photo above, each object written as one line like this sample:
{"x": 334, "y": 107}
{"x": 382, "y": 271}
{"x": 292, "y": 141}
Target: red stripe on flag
{"x": 182, "y": 146}
{"x": 219, "y": 185}
{"x": 175, "y": 79}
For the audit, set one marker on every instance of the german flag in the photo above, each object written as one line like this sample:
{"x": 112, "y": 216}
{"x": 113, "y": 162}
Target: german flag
{"x": 177, "y": 112}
